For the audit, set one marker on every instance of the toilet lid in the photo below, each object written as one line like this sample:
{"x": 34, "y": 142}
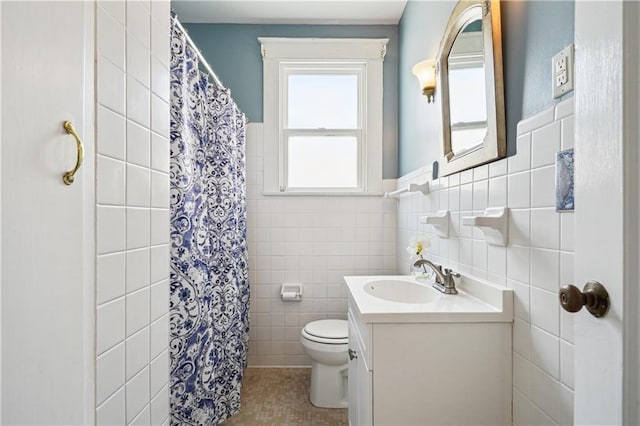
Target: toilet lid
{"x": 328, "y": 329}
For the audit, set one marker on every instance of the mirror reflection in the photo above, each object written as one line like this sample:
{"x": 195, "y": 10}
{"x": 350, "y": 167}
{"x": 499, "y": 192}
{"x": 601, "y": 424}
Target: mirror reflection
{"x": 467, "y": 89}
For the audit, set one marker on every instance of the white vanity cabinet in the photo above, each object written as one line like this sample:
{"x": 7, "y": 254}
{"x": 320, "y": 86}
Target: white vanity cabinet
{"x": 447, "y": 369}
{"x": 360, "y": 376}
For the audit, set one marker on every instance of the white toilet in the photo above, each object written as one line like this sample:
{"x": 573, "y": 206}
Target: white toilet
{"x": 326, "y": 343}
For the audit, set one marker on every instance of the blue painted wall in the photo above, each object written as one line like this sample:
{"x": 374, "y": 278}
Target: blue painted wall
{"x": 533, "y": 31}
{"x": 233, "y": 52}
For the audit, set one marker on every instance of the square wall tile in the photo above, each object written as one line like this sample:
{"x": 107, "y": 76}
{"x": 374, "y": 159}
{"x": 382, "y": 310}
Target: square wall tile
{"x": 545, "y": 392}
{"x": 543, "y": 187}
{"x": 143, "y": 418}
{"x": 138, "y": 144}
{"x": 522, "y": 338}
{"x": 138, "y": 102}
{"x": 497, "y": 263}
{"x": 159, "y": 36}
{"x": 160, "y": 406}
{"x": 522, "y": 160}
{"x": 566, "y": 326}
{"x": 137, "y": 311}
{"x": 518, "y": 191}
{"x": 521, "y": 375}
{"x": 159, "y": 299}
{"x": 110, "y": 277}
{"x": 137, "y": 394}
{"x": 112, "y": 411}
{"x": 138, "y": 267}
{"x": 109, "y": 373}
{"x": 159, "y": 153}
{"x": 159, "y": 263}
{"x": 466, "y": 197}
{"x": 159, "y": 79}
{"x": 545, "y": 311}
{"x": 567, "y": 364}
{"x": 480, "y": 195}
{"x": 520, "y": 299}
{"x": 138, "y": 227}
{"x": 518, "y": 263}
{"x": 138, "y": 60}
{"x": 110, "y": 325}
{"x": 110, "y": 86}
{"x": 110, "y": 187}
{"x": 159, "y": 116}
{"x": 545, "y": 229}
{"x": 545, "y": 269}
{"x": 545, "y": 142}
{"x": 115, "y": 7}
{"x": 110, "y": 38}
{"x": 498, "y": 168}
{"x": 139, "y": 22}
{"x": 138, "y": 186}
{"x": 566, "y": 406}
{"x": 566, "y": 268}
{"x": 159, "y": 336}
{"x": 519, "y": 223}
{"x": 568, "y": 135}
{"x": 566, "y": 231}
{"x": 137, "y": 352}
{"x": 111, "y": 135}
{"x": 160, "y": 190}
{"x": 545, "y": 352}
{"x": 522, "y": 408}
{"x": 159, "y": 226}
{"x": 498, "y": 192}
{"x": 159, "y": 372}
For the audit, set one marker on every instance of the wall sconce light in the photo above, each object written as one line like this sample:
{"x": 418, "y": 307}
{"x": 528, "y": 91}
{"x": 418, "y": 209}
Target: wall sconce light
{"x": 425, "y": 71}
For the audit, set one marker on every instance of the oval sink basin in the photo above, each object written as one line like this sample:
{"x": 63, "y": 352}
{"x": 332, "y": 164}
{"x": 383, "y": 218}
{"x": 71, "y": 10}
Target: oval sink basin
{"x": 401, "y": 291}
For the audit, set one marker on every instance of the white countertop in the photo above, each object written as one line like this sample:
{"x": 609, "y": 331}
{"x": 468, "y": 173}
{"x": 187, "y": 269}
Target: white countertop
{"x": 477, "y": 301}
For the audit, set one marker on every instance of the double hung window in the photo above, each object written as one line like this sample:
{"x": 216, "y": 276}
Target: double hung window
{"x": 323, "y": 116}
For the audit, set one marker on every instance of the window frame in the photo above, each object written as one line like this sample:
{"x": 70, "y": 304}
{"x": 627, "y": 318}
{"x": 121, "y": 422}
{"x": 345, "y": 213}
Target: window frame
{"x": 284, "y": 56}
{"x": 286, "y": 131}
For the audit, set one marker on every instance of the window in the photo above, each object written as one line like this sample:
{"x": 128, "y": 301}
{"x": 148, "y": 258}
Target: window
{"x": 322, "y": 116}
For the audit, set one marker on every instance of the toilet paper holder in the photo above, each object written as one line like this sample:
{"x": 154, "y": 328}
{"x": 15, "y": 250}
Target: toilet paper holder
{"x": 291, "y": 292}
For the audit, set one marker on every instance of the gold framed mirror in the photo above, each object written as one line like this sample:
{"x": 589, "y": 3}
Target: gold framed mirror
{"x": 471, "y": 88}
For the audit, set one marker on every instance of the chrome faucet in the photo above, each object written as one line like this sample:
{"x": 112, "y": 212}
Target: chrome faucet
{"x": 444, "y": 280}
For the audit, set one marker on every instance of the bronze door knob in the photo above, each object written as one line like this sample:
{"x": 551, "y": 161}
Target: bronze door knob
{"x": 594, "y": 296}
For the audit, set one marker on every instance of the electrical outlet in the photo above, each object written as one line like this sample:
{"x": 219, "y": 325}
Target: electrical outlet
{"x": 562, "y": 70}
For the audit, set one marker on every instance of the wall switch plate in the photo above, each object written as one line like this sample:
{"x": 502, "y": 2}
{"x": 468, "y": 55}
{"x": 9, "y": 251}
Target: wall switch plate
{"x": 562, "y": 72}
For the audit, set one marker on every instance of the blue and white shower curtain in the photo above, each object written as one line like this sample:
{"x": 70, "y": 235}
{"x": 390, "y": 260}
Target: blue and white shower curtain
{"x": 209, "y": 302}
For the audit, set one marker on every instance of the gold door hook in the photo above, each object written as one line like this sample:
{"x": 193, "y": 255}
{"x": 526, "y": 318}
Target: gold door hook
{"x": 68, "y": 177}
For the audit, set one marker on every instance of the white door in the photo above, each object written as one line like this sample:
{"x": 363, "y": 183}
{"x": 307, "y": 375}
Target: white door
{"x": 606, "y": 216}
{"x": 47, "y": 277}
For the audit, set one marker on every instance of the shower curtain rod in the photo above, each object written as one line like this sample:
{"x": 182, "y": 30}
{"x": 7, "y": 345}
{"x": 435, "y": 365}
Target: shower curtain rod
{"x": 201, "y": 58}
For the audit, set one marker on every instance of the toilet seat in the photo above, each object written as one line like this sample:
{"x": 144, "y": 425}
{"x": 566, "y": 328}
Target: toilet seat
{"x": 333, "y": 332}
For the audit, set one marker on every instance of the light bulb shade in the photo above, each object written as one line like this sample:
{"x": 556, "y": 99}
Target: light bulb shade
{"x": 425, "y": 71}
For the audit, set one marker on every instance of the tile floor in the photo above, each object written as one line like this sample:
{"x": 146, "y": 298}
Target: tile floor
{"x": 280, "y": 396}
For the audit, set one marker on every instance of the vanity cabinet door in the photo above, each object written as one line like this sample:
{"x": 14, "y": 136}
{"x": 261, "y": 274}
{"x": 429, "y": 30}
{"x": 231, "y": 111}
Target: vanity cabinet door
{"x": 360, "y": 379}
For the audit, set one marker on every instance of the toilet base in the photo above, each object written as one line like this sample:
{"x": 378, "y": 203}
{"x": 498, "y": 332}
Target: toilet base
{"x": 329, "y": 385}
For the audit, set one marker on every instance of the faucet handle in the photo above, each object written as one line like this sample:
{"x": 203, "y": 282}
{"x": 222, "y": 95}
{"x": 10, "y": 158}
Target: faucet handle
{"x": 450, "y": 272}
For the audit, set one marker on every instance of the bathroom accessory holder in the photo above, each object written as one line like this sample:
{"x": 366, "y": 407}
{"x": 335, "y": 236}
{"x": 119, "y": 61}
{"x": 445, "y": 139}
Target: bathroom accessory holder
{"x": 439, "y": 221}
{"x": 412, "y": 187}
{"x": 291, "y": 292}
{"x": 494, "y": 224}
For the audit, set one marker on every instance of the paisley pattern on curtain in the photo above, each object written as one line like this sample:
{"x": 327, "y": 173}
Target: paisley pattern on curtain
{"x": 209, "y": 301}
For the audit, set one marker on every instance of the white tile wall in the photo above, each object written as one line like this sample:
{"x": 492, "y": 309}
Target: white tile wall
{"x": 310, "y": 240}
{"x": 132, "y": 199}
{"x": 537, "y": 260}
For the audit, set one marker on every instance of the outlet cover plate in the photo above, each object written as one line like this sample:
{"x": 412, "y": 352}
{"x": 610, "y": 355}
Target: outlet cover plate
{"x": 562, "y": 72}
